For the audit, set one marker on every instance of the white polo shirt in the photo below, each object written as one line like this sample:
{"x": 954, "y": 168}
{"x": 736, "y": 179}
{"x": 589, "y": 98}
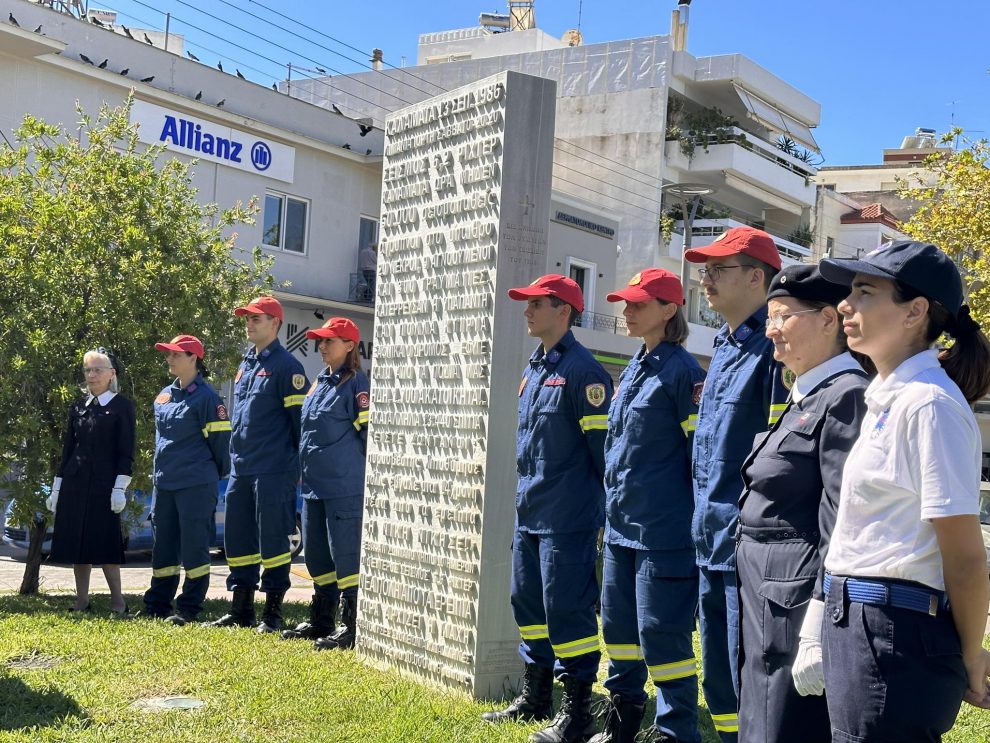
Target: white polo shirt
{"x": 917, "y": 458}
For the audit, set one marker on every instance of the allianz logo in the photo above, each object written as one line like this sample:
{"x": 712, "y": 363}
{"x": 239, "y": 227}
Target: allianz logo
{"x": 190, "y": 136}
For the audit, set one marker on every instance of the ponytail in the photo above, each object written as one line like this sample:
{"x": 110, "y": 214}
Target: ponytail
{"x": 201, "y": 368}
{"x": 351, "y": 365}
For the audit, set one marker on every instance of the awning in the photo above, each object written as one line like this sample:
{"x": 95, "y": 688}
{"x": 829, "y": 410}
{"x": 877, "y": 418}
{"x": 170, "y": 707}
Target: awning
{"x": 777, "y": 120}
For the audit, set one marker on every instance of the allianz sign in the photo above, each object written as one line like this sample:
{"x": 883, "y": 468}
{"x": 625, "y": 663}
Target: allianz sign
{"x": 213, "y": 142}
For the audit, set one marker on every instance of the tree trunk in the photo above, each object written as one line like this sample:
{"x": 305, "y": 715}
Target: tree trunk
{"x": 32, "y": 566}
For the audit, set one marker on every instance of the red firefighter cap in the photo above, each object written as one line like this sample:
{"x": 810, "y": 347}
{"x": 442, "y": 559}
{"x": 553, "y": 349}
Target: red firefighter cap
{"x": 651, "y": 283}
{"x": 261, "y": 306}
{"x": 739, "y": 240}
{"x": 183, "y": 343}
{"x": 336, "y": 327}
{"x": 552, "y": 285}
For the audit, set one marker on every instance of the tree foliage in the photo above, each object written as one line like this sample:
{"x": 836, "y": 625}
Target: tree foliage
{"x": 954, "y": 194}
{"x": 103, "y": 242}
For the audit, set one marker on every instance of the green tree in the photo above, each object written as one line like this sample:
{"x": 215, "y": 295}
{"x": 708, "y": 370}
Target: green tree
{"x": 103, "y": 243}
{"x": 953, "y": 191}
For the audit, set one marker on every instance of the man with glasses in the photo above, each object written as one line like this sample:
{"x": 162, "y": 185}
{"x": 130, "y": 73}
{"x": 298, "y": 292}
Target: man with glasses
{"x": 742, "y": 396}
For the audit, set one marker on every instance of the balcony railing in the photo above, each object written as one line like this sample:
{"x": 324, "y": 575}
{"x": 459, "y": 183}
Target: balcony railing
{"x": 360, "y": 290}
{"x": 603, "y": 323}
{"x": 766, "y": 150}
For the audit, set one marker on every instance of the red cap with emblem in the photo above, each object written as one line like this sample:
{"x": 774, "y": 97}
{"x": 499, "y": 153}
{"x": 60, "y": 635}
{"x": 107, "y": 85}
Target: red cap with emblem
{"x": 261, "y": 306}
{"x": 183, "y": 343}
{"x": 651, "y": 283}
{"x": 552, "y": 285}
{"x": 336, "y": 327}
{"x": 739, "y": 240}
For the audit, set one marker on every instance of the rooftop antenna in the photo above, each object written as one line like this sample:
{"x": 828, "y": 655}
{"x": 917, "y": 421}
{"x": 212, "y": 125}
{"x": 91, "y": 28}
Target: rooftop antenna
{"x": 580, "y": 4}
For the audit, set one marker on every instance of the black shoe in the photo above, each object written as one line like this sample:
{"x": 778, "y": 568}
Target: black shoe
{"x": 535, "y": 701}
{"x": 241, "y": 610}
{"x": 271, "y": 618}
{"x": 654, "y": 735}
{"x": 343, "y": 637}
{"x": 574, "y": 722}
{"x": 124, "y": 613}
{"x": 621, "y": 721}
{"x": 88, "y": 609}
{"x": 321, "y": 618}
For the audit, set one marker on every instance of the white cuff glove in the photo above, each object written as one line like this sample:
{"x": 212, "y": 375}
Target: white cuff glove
{"x": 808, "y": 670}
{"x": 52, "y": 500}
{"x": 117, "y": 498}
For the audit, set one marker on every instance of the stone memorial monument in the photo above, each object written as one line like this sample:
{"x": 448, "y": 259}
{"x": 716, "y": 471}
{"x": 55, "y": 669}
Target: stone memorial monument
{"x": 465, "y": 210}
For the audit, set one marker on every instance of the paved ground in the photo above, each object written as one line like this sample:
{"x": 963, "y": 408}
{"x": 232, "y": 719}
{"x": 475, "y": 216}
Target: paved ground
{"x": 135, "y": 576}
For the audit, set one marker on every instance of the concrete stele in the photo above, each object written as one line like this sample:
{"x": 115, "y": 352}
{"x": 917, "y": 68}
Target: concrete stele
{"x": 465, "y": 211}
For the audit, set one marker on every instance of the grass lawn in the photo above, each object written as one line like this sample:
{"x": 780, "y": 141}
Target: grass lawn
{"x": 66, "y": 678}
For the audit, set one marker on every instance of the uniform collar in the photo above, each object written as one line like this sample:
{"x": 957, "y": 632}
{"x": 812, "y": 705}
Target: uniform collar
{"x": 269, "y": 350}
{"x": 754, "y": 325}
{"x": 103, "y": 399}
{"x": 553, "y": 356}
{"x": 191, "y": 387}
{"x": 881, "y": 392}
{"x": 658, "y": 356}
{"x": 808, "y": 382}
{"x": 332, "y": 377}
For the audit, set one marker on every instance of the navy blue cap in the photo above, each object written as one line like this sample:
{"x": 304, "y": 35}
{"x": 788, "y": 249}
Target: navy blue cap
{"x": 804, "y": 281}
{"x": 922, "y": 266}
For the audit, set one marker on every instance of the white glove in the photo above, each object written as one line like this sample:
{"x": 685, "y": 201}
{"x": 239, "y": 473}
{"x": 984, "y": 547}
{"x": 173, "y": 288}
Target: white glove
{"x": 117, "y": 498}
{"x": 808, "y": 670}
{"x": 52, "y": 500}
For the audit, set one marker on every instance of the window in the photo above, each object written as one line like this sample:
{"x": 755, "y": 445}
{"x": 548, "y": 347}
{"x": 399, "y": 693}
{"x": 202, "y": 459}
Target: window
{"x": 285, "y": 223}
{"x": 584, "y": 274}
{"x": 368, "y": 233}
{"x": 829, "y": 243}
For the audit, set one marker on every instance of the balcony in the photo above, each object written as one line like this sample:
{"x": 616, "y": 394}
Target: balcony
{"x": 737, "y": 160}
{"x": 360, "y": 290}
{"x": 602, "y": 323}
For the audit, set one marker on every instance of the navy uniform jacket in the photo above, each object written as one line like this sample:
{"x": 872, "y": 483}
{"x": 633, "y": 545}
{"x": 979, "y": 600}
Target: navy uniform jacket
{"x": 793, "y": 478}
{"x": 648, "y": 494}
{"x": 743, "y": 395}
{"x": 334, "y": 436}
{"x": 192, "y": 436}
{"x": 269, "y": 390}
{"x": 560, "y": 444}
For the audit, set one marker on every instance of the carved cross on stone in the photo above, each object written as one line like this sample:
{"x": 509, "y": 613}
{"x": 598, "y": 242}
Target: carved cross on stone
{"x": 527, "y": 202}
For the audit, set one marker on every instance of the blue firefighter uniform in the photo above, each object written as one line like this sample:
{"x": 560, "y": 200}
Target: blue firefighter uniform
{"x": 269, "y": 390}
{"x": 332, "y": 455}
{"x": 560, "y": 452}
{"x": 192, "y": 442}
{"x": 787, "y": 511}
{"x": 743, "y": 395}
{"x": 650, "y": 580}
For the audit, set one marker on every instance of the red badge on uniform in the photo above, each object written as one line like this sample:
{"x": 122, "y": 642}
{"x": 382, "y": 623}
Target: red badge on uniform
{"x": 222, "y": 412}
{"x": 595, "y": 394}
{"x": 363, "y": 400}
{"x": 163, "y": 398}
{"x": 696, "y": 392}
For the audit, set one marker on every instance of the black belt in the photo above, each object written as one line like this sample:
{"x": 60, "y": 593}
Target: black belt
{"x": 883, "y": 593}
{"x": 776, "y": 534}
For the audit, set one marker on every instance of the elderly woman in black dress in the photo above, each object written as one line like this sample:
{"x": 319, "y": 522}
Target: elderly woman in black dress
{"x": 88, "y": 493}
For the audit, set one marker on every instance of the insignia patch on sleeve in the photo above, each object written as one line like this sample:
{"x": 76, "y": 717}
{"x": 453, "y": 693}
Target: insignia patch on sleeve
{"x": 222, "y": 412}
{"x": 696, "y": 392}
{"x": 595, "y": 394}
{"x": 298, "y": 381}
{"x": 363, "y": 400}
{"x": 163, "y": 398}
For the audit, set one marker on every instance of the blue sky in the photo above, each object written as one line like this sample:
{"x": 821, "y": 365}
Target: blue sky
{"x": 880, "y": 68}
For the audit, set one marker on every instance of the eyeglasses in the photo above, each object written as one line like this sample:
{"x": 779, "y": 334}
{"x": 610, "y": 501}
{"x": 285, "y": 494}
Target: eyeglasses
{"x": 777, "y": 321}
{"x": 95, "y": 369}
{"x": 715, "y": 272}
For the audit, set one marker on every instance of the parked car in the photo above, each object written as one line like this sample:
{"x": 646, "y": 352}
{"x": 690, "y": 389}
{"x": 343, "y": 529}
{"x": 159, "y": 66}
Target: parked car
{"x": 139, "y": 533}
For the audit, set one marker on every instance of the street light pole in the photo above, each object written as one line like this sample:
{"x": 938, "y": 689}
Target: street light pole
{"x": 688, "y": 196}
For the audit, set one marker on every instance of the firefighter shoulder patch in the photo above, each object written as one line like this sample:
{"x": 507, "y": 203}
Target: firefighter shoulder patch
{"x": 222, "y": 412}
{"x": 363, "y": 400}
{"x": 699, "y": 387}
{"x": 595, "y": 394}
{"x": 298, "y": 381}
{"x": 787, "y": 378}
{"x": 163, "y": 398}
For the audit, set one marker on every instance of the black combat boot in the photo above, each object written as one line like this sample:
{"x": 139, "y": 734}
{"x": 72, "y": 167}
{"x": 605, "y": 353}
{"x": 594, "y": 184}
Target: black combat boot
{"x": 321, "y": 617}
{"x": 653, "y": 734}
{"x": 241, "y": 610}
{"x": 574, "y": 722}
{"x": 271, "y": 618}
{"x": 622, "y": 721}
{"x": 343, "y": 636}
{"x": 535, "y": 701}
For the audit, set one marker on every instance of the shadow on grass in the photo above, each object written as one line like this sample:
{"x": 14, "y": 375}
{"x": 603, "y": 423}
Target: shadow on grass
{"x": 23, "y": 707}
